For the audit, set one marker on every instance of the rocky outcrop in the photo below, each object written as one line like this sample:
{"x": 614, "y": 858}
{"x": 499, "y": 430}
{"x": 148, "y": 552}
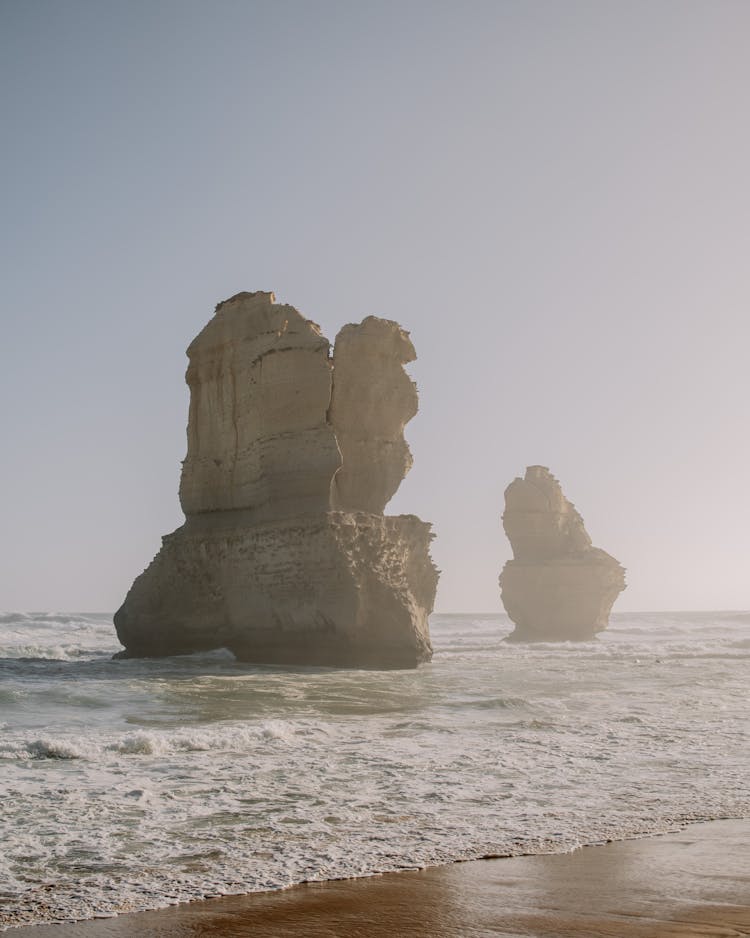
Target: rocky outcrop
{"x": 260, "y": 381}
{"x": 373, "y": 400}
{"x": 285, "y": 556}
{"x": 557, "y": 587}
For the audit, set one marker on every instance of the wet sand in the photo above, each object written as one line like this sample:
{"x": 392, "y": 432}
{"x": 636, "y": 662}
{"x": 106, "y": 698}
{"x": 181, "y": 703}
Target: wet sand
{"x": 693, "y": 883}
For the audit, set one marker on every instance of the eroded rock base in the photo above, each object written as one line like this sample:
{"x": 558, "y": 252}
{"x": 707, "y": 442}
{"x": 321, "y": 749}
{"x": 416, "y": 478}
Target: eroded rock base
{"x": 340, "y": 589}
{"x": 565, "y": 600}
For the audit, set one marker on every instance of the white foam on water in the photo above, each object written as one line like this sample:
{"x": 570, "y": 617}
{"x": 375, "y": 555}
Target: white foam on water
{"x": 56, "y": 636}
{"x": 150, "y": 783}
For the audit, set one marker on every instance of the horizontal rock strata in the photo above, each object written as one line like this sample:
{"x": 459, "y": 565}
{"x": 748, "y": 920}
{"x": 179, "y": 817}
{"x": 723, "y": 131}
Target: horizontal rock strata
{"x": 285, "y": 556}
{"x": 336, "y": 589}
{"x": 558, "y": 587}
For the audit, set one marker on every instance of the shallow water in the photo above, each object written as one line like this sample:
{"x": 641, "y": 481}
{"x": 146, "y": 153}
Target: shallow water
{"x": 138, "y": 784}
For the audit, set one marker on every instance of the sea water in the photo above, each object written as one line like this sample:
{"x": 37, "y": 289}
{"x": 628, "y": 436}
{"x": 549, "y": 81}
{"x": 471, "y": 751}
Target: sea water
{"x": 139, "y": 784}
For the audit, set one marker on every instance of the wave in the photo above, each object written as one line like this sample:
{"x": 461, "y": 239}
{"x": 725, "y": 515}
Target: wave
{"x": 235, "y": 737}
{"x": 55, "y": 618}
{"x": 56, "y": 636}
{"x": 138, "y": 783}
{"x": 49, "y": 652}
{"x": 52, "y": 749}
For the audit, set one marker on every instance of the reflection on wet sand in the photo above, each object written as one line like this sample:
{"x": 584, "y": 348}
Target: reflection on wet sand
{"x": 692, "y": 883}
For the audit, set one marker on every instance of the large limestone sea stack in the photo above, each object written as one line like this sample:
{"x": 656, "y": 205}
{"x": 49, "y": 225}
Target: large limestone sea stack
{"x": 557, "y": 587}
{"x": 285, "y": 556}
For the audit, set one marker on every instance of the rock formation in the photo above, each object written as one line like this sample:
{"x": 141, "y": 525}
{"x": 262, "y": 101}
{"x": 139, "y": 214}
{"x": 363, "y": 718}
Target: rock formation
{"x": 373, "y": 399}
{"x": 557, "y": 587}
{"x": 285, "y": 555}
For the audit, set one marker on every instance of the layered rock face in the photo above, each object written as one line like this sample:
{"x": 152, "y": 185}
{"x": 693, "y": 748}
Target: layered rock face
{"x": 557, "y": 587}
{"x": 285, "y": 555}
{"x": 259, "y": 439}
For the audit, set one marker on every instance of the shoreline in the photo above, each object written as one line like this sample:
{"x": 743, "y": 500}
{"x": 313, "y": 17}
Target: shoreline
{"x": 695, "y": 882}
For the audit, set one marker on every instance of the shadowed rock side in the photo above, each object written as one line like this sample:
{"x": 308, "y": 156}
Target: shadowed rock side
{"x": 373, "y": 399}
{"x": 273, "y": 561}
{"x": 557, "y": 587}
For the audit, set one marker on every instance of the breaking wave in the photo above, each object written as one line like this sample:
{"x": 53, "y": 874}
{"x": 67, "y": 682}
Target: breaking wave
{"x": 200, "y": 776}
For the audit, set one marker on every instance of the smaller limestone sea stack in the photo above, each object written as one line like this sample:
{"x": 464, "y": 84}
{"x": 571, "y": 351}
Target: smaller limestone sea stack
{"x": 285, "y": 556}
{"x": 557, "y": 587}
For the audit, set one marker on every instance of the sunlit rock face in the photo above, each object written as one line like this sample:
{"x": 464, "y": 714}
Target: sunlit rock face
{"x": 260, "y": 382}
{"x": 285, "y": 555}
{"x": 557, "y": 587}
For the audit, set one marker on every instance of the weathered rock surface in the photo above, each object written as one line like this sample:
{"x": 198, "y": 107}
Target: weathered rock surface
{"x": 285, "y": 555}
{"x": 258, "y": 436}
{"x": 373, "y": 399}
{"x": 557, "y": 587}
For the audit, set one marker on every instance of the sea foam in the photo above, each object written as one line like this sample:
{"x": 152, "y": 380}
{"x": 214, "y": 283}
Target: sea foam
{"x": 137, "y": 784}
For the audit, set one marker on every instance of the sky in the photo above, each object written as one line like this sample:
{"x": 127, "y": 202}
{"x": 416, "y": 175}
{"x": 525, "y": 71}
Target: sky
{"x": 551, "y": 196}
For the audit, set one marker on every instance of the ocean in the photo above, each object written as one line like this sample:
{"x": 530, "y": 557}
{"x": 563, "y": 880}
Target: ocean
{"x": 138, "y": 784}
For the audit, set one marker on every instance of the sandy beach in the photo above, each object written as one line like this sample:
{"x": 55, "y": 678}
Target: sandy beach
{"x": 692, "y": 883}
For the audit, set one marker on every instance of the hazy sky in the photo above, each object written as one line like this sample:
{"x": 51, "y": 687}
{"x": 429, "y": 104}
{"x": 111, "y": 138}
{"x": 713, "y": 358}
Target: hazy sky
{"x": 553, "y": 197}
